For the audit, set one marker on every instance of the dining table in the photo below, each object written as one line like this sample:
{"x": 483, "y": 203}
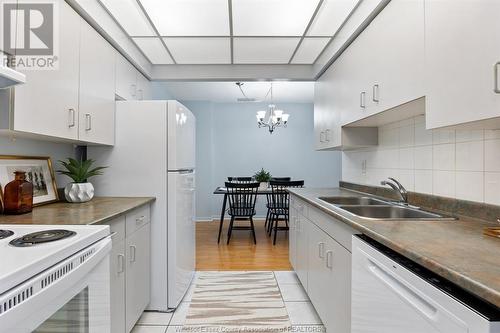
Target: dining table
{"x": 223, "y": 191}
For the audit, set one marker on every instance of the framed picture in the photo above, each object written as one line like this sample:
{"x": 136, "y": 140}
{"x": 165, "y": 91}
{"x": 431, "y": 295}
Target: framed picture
{"x": 38, "y": 171}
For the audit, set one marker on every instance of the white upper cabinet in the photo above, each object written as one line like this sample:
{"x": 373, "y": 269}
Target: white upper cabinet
{"x": 462, "y": 58}
{"x": 386, "y": 62}
{"x": 75, "y": 101}
{"x": 97, "y": 88}
{"x": 382, "y": 69}
{"x": 47, "y": 103}
{"x": 395, "y": 56}
{"x": 126, "y": 78}
{"x": 143, "y": 88}
{"x": 130, "y": 83}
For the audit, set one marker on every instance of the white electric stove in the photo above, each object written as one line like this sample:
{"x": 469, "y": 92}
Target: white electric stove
{"x": 54, "y": 278}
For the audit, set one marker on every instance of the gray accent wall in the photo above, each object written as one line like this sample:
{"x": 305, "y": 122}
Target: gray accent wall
{"x": 229, "y": 143}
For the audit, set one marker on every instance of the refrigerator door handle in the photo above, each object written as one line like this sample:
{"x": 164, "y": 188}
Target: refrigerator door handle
{"x": 182, "y": 170}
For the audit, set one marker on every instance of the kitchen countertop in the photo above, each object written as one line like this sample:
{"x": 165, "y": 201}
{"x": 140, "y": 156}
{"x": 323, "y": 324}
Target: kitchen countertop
{"x": 456, "y": 250}
{"x": 98, "y": 210}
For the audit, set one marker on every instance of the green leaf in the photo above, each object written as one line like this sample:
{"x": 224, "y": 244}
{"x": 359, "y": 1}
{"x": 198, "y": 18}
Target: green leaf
{"x": 79, "y": 171}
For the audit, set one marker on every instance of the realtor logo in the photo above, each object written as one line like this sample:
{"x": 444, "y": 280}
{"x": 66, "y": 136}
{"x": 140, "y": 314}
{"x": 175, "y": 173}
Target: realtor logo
{"x": 30, "y": 33}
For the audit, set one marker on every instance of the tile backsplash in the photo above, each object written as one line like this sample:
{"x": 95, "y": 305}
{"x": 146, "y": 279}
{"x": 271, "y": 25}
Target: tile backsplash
{"x": 462, "y": 164}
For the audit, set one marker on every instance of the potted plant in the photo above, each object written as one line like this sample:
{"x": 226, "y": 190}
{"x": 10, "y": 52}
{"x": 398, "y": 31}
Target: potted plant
{"x": 80, "y": 190}
{"x": 263, "y": 177}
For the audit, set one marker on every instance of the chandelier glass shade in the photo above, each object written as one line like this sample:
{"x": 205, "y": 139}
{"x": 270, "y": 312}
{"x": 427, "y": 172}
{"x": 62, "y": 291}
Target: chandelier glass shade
{"x": 273, "y": 117}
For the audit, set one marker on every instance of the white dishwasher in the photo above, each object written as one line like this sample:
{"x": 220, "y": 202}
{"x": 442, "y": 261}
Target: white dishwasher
{"x": 392, "y": 294}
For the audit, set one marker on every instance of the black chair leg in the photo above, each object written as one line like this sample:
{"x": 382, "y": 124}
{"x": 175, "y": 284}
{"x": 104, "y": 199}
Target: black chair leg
{"x": 270, "y": 225}
{"x": 220, "y": 230}
{"x": 267, "y": 218}
{"x": 276, "y": 230}
{"x": 230, "y": 231}
{"x": 253, "y": 231}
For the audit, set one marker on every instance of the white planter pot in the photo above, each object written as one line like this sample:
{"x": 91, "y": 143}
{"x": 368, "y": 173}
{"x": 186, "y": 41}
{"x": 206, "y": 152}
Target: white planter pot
{"x": 263, "y": 186}
{"x": 79, "y": 192}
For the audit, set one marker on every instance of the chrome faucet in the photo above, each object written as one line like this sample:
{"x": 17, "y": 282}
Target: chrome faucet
{"x": 396, "y": 186}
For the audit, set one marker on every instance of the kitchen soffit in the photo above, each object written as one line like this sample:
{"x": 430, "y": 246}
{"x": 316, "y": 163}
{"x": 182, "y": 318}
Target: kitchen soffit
{"x": 230, "y": 31}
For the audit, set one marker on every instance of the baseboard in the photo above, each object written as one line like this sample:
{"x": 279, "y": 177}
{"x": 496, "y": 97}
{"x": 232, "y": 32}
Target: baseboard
{"x": 217, "y": 218}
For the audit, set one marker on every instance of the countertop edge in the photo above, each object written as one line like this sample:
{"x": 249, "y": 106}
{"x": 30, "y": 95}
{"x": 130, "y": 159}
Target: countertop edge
{"x": 148, "y": 200}
{"x": 96, "y": 211}
{"x": 480, "y": 290}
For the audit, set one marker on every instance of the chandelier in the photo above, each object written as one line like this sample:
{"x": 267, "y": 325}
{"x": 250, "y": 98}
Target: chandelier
{"x": 271, "y": 118}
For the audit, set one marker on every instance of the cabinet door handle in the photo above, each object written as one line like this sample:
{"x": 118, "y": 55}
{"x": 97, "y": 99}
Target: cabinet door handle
{"x": 329, "y": 259}
{"x": 139, "y": 220}
{"x": 321, "y": 250}
{"x": 327, "y": 137}
{"x": 376, "y": 93}
{"x": 133, "y": 90}
{"x": 121, "y": 263}
{"x": 496, "y": 89}
{"x": 362, "y": 97}
{"x": 88, "y": 122}
{"x": 321, "y": 136}
{"x": 132, "y": 253}
{"x": 141, "y": 94}
{"x": 71, "y": 118}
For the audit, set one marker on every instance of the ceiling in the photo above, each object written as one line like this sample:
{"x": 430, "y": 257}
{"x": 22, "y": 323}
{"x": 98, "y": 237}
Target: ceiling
{"x": 228, "y": 92}
{"x": 215, "y": 32}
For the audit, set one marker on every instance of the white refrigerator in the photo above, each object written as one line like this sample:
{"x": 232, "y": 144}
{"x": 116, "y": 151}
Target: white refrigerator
{"x": 154, "y": 155}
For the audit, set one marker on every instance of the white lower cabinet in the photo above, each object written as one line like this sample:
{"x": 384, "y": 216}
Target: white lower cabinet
{"x": 137, "y": 290}
{"x": 329, "y": 280}
{"x": 292, "y": 237}
{"x": 117, "y": 282}
{"x": 322, "y": 260}
{"x": 130, "y": 268}
{"x": 302, "y": 241}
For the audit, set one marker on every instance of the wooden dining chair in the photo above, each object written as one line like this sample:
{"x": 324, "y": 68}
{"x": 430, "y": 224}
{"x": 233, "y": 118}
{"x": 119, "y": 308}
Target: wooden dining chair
{"x": 280, "y": 205}
{"x": 268, "y": 198}
{"x": 242, "y": 198}
{"x": 241, "y": 180}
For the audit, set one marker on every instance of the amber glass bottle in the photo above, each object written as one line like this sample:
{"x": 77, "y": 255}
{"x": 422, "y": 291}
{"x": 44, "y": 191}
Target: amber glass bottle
{"x": 18, "y": 195}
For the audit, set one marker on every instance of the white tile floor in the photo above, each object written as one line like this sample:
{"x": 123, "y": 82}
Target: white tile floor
{"x": 303, "y": 316}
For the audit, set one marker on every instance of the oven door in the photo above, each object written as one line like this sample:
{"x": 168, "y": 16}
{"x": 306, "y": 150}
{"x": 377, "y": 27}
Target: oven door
{"x": 72, "y": 296}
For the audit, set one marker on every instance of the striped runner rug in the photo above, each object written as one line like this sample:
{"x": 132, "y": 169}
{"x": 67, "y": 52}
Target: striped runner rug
{"x": 237, "y": 302}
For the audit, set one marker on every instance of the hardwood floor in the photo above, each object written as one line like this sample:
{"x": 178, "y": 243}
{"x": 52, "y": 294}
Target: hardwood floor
{"x": 241, "y": 253}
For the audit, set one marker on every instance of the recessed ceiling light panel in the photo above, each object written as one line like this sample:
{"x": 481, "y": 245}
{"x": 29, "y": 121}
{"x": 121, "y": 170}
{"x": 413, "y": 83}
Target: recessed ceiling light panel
{"x": 272, "y": 17}
{"x": 154, "y": 50}
{"x": 275, "y": 50}
{"x": 130, "y": 16}
{"x": 200, "y": 50}
{"x": 189, "y": 17}
{"x": 330, "y": 17}
{"x": 309, "y": 50}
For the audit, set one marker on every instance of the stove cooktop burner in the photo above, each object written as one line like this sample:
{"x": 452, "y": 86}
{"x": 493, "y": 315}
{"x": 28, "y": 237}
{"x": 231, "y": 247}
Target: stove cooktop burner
{"x": 41, "y": 237}
{"x": 5, "y": 233}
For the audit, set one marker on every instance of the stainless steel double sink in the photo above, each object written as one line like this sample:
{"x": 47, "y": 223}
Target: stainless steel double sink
{"x": 377, "y": 209}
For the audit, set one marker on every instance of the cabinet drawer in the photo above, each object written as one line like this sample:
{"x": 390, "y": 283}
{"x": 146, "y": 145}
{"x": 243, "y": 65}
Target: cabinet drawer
{"x": 137, "y": 218}
{"x": 336, "y": 229}
{"x": 299, "y": 205}
{"x": 117, "y": 225}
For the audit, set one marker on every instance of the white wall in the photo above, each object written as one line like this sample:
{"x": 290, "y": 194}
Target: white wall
{"x": 230, "y": 144}
{"x": 452, "y": 163}
{"x": 28, "y": 147}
